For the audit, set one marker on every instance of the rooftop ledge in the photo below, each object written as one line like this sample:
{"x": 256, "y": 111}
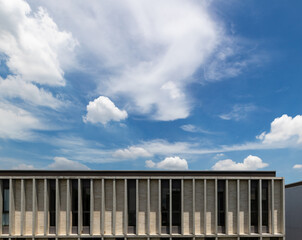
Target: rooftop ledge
{"x": 133, "y": 173}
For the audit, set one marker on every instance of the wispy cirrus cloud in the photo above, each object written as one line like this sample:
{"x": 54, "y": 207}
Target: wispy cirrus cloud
{"x": 147, "y": 45}
{"x": 297, "y": 166}
{"x": 194, "y": 129}
{"x": 238, "y": 112}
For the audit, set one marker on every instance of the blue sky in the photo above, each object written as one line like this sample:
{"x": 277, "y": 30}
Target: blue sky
{"x": 177, "y": 85}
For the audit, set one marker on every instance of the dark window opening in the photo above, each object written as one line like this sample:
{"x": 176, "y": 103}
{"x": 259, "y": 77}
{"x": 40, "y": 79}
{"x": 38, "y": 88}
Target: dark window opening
{"x": 249, "y": 238}
{"x": 5, "y": 206}
{"x": 86, "y": 202}
{"x": 265, "y": 202}
{"x": 131, "y": 197}
{"x": 254, "y": 205}
{"x": 221, "y": 205}
{"x": 74, "y": 205}
{"x": 165, "y": 205}
{"x": 176, "y": 205}
{"x": 52, "y": 203}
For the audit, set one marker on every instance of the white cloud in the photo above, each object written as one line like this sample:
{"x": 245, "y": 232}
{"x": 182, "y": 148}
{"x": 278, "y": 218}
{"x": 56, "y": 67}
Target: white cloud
{"x": 16, "y": 123}
{"x": 238, "y": 112}
{"x": 131, "y": 153}
{"x": 285, "y": 131}
{"x": 151, "y": 50}
{"x": 297, "y": 166}
{"x": 62, "y": 163}
{"x": 249, "y": 163}
{"x": 219, "y": 155}
{"x": 194, "y": 129}
{"x": 14, "y": 86}
{"x": 102, "y": 110}
{"x": 24, "y": 166}
{"x": 169, "y": 163}
{"x": 36, "y": 50}
{"x": 36, "y": 53}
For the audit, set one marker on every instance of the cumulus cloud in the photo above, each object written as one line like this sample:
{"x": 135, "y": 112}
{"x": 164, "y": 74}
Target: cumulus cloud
{"x": 297, "y": 166}
{"x": 169, "y": 163}
{"x": 131, "y": 153}
{"x": 150, "y": 50}
{"x": 285, "y": 131}
{"x": 33, "y": 43}
{"x": 36, "y": 54}
{"x": 249, "y": 163}
{"x": 24, "y": 166}
{"x": 103, "y": 110}
{"x": 238, "y": 112}
{"x": 62, "y": 163}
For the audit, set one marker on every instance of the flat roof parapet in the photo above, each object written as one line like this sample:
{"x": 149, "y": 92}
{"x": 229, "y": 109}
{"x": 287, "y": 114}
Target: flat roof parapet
{"x": 131, "y": 173}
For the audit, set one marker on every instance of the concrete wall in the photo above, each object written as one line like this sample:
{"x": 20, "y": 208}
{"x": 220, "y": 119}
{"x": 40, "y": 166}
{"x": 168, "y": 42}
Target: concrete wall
{"x": 29, "y": 208}
{"x": 293, "y": 201}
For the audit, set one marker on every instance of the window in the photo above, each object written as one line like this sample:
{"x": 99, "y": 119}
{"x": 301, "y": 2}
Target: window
{"x": 131, "y": 195}
{"x": 221, "y": 205}
{"x": 165, "y": 205}
{"x": 5, "y": 207}
{"x": 254, "y": 205}
{"x": 176, "y": 205}
{"x": 52, "y": 202}
{"x": 86, "y": 202}
{"x": 74, "y": 205}
{"x": 265, "y": 205}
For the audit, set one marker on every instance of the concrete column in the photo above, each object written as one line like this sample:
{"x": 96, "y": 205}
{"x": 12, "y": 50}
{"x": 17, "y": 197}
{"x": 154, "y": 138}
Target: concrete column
{"x": 91, "y": 206}
{"x": 227, "y": 207}
{"x": 68, "y": 207}
{"x": 1, "y": 204}
{"x": 57, "y": 206}
{"x": 193, "y": 206}
{"x": 113, "y": 206}
{"x": 215, "y": 212}
{"x": 103, "y": 208}
{"x": 79, "y": 207}
{"x": 22, "y": 208}
{"x": 34, "y": 209}
{"x": 11, "y": 207}
{"x": 45, "y": 207}
{"x": 125, "y": 208}
{"x": 182, "y": 207}
{"x": 272, "y": 207}
{"x": 260, "y": 207}
{"x": 137, "y": 207}
{"x": 148, "y": 206}
{"x": 283, "y": 206}
{"x": 205, "y": 206}
{"x": 159, "y": 206}
{"x": 238, "y": 206}
{"x": 170, "y": 206}
{"x": 249, "y": 206}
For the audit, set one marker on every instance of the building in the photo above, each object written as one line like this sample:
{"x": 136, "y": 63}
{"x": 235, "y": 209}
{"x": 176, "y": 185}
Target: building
{"x": 197, "y": 205}
{"x": 293, "y": 196}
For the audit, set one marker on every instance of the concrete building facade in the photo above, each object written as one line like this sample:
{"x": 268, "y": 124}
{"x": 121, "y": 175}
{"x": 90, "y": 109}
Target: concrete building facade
{"x": 199, "y": 205}
{"x": 293, "y": 197}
